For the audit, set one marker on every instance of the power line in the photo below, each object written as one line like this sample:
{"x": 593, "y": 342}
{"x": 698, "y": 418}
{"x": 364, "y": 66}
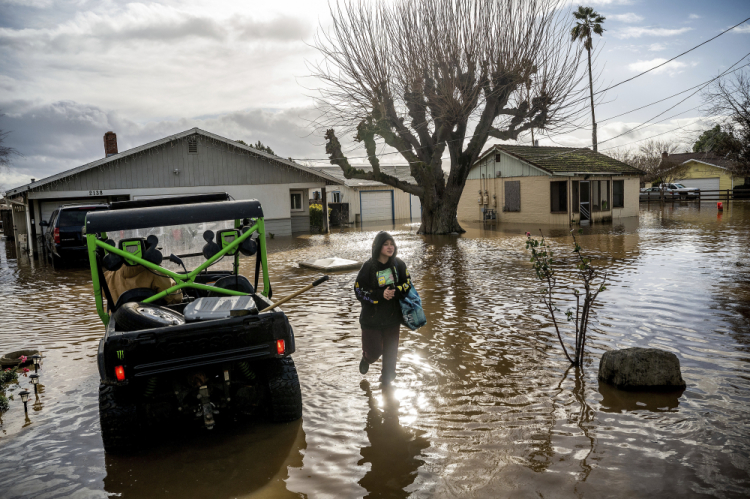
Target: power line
{"x": 666, "y": 98}
{"x": 646, "y": 124}
{"x": 672, "y": 59}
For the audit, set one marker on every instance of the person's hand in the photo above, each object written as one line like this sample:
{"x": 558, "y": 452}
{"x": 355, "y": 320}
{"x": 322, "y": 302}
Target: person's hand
{"x": 388, "y": 293}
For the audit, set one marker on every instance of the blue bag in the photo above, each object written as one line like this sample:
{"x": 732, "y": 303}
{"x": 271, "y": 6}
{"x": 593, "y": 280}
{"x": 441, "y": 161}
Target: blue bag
{"x": 412, "y": 315}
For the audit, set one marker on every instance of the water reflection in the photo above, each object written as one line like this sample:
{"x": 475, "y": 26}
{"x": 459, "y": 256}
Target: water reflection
{"x": 229, "y": 462}
{"x": 393, "y": 453}
{"x": 614, "y": 400}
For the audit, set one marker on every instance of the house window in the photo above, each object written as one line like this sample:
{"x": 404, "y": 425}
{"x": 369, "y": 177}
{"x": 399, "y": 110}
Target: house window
{"x": 558, "y": 197}
{"x": 336, "y": 196}
{"x": 296, "y": 198}
{"x": 618, "y": 194}
{"x": 193, "y": 146}
{"x": 512, "y": 196}
{"x": 497, "y": 158}
{"x": 600, "y": 195}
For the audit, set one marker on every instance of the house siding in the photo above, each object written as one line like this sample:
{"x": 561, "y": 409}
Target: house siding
{"x": 212, "y": 166}
{"x": 507, "y": 167}
{"x": 279, "y": 227}
{"x": 535, "y": 200}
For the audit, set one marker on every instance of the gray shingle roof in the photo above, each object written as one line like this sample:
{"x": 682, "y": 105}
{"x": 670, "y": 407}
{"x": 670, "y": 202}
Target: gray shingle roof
{"x": 403, "y": 173}
{"x": 706, "y": 157}
{"x": 565, "y": 159}
{"x": 193, "y": 131}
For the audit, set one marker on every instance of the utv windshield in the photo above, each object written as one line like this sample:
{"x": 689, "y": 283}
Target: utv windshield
{"x": 184, "y": 241}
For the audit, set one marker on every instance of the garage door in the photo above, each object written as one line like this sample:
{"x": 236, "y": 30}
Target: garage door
{"x": 416, "y": 207}
{"x": 376, "y": 205}
{"x": 47, "y": 207}
{"x": 704, "y": 184}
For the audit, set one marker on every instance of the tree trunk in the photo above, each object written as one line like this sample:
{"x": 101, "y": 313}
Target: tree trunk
{"x": 439, "y": 212}
{"x": 591, "y": 94}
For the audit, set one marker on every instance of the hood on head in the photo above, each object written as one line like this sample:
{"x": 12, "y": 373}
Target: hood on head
{"x": 377, "y": 244}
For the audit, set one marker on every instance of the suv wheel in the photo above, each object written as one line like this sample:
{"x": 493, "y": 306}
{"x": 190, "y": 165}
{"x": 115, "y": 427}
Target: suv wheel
{"x": 119, "y": 422}
{"x": 286, "y": 395}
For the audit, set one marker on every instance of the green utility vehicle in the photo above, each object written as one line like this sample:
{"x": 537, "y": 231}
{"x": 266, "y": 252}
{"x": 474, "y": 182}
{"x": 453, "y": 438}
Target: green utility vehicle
{"x": 210, "y": 355}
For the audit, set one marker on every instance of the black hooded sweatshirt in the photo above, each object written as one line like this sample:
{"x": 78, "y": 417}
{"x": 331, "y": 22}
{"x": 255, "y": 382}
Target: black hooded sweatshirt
{"x": 373, "y": 279}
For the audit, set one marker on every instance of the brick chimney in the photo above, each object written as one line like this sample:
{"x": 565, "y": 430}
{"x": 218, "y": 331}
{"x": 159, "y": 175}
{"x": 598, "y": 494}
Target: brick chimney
{"x": 110, "y": 144}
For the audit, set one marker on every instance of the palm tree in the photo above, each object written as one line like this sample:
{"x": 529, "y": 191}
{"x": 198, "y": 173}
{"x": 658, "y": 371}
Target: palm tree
{"x": 587, "y": 22}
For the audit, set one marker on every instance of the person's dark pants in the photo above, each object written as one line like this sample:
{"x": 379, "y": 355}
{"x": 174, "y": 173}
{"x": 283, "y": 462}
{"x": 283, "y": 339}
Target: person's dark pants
{"x": 377, "y": 342}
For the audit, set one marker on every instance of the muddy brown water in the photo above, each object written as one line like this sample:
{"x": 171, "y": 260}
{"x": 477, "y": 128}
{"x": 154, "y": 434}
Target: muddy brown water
{"x": 484, "y": 404}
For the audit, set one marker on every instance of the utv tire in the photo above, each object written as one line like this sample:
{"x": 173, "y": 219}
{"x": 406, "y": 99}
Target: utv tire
{"x": 119, "y": 422}
{"x": 134, "y": 316}
{"x": 286, "y": 395}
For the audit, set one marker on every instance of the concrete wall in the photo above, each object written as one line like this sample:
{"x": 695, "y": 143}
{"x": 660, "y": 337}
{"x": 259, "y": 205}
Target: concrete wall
{"x": 702, "y": 170}
{"x": 535, "y": 200}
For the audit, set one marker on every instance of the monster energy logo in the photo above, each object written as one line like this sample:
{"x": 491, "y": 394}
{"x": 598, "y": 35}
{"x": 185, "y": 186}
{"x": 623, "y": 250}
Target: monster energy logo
{"x": 121, "y": 354}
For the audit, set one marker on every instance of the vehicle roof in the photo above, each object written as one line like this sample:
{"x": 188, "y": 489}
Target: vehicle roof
{"x": 169, "y": 215}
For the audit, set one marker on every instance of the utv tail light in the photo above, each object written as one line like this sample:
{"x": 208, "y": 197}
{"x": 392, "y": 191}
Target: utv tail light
{"x": 280, "y": 347}
{"x": 57, "y": 235}
{"x": 120, "y": 373}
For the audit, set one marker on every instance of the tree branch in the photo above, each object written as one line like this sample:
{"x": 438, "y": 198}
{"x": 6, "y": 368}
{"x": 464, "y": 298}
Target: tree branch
{"x": 336, "y": 156}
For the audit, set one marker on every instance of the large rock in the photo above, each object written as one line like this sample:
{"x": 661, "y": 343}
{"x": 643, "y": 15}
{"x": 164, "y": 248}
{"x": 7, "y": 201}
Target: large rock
{"x": 641, "y": 368}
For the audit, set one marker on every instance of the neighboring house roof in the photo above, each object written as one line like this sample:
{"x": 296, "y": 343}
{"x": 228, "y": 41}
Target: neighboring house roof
{"x": 564, "y": 159}
{"x": 193, "y": 131}
{"x": 402, "y": 173}
{"x": 704, "y": 157}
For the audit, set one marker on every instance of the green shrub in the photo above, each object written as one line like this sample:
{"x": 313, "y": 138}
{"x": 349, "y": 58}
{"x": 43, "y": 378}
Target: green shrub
{"x": 316, "y": 215}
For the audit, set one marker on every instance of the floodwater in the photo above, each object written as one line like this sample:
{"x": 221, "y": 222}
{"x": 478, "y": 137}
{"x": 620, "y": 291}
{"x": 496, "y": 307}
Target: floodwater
{"x": 484, "y": 404}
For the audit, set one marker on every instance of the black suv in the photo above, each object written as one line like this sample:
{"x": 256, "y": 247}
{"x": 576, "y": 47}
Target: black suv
{"x": 63, "y": 241}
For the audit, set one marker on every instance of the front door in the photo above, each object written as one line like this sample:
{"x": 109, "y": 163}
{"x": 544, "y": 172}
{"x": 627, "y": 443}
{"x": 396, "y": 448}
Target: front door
{"x": 585, "y": 202}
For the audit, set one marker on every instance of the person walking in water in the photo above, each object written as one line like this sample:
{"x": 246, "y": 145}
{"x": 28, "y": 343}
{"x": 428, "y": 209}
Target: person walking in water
{"x": 381, "y": 282}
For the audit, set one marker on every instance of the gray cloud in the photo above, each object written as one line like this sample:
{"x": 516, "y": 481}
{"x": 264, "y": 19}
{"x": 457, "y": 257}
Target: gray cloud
{"x": 150, "y": 23}
{"x": 62, "y": 135}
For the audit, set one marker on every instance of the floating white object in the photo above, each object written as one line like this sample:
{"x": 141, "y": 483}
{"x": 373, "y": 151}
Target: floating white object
{"x": 331, "y": 264}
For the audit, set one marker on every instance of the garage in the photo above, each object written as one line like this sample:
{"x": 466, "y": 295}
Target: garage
{"x": 376, "y": 205}
{"x": 704, "y": 184}
{"x": 416, "y": 207}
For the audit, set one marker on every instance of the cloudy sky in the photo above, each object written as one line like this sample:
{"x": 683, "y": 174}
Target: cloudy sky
{"x": 72, "y": 69}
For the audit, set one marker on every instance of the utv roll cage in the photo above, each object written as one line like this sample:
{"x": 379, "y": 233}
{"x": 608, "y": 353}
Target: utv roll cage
{"x": 164, "y": 212}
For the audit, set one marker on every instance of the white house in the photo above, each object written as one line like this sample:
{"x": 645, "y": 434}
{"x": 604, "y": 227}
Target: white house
{"x": 371, "y": 201}
{"x": 190, "y": 162}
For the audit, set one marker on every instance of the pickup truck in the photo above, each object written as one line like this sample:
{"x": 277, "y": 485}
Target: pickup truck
{"x": 216, "y": 354}
{"x": 681, "y": 190}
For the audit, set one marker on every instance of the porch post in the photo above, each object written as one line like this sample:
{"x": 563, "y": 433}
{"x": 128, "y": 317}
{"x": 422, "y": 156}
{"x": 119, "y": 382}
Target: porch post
{"x": 324, "y": 195}
{"x": 29, "y": 242}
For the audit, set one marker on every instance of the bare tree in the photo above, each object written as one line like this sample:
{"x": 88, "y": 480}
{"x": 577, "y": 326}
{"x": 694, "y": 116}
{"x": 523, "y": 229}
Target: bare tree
{"x": 429, "y": 77}
{"x": 649, "y": 158}
{"x": 728, "y": 98}
{"x": 594, "y": 282}
{"x": 5, "y": 152}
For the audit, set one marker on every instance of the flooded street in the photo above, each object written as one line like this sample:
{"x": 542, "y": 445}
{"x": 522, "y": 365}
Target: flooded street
{"x": 484, "y": 404}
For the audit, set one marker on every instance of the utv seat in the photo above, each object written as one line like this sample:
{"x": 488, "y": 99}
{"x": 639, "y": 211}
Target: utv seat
{"x": 233, "y": 283}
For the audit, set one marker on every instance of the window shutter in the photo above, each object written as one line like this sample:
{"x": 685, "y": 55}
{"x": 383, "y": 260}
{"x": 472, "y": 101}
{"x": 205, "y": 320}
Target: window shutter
{"x": 512, "y": 195}
{"x": 193, "y": 146}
